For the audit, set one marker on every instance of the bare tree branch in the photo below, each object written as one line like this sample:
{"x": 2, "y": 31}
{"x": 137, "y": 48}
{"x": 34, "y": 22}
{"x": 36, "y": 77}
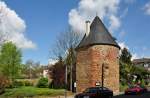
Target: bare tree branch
{"x": 65, "y": 46}
{"x": 65, "y": 41}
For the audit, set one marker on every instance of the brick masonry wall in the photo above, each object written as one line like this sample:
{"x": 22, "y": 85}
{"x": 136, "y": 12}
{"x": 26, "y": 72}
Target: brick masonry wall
{"x": 89, "y": 66}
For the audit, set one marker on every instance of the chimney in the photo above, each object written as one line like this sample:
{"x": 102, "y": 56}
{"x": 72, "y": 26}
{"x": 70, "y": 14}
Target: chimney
{"x": 87, "y": 28}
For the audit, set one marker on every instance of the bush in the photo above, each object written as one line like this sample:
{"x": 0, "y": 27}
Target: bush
{"x": 42, "y": 83}
{"x": 18, "y": 83}
{"x": 142, "y": 82}
{"x": 2, "y": 84}
{"x": 28, "y": 83}
{"x": 123, "y": 87}
{"x": 53, "y": 85}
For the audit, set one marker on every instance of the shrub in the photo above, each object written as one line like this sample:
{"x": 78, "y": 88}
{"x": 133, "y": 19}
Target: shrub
{"x": 53, "y": 85}
{"x": 42, "y": 83}
{"x": 28, "y": 83}
{"x": 10, "y": 85}
{"x": 18, "y": 83}
{"x": 3, "y": 83}
{"x": 123, "y": 87}
{"x": 142, "y": 82}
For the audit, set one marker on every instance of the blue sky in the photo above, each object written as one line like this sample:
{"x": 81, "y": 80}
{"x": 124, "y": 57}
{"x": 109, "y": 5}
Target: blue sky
{"x": 128, "y": 20}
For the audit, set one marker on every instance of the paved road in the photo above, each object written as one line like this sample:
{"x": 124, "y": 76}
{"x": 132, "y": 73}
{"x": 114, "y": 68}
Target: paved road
{"x": 145, "y": 95}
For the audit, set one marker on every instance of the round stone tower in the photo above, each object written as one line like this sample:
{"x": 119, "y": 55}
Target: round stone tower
{"x": 95, "y": 50}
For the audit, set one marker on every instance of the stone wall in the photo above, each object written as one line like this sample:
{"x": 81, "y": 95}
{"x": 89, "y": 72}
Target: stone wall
{"x": 89, "y": 66}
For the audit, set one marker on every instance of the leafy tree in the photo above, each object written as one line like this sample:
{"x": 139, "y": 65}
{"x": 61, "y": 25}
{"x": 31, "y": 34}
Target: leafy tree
{"x": 126, "y": 56}
{"x": 141, "y": 72}
{"x": 128, "y": 70}
{"x": 125, "y": 66}
{"x": 10, "y": 60}
{"x": 57, "y": 72}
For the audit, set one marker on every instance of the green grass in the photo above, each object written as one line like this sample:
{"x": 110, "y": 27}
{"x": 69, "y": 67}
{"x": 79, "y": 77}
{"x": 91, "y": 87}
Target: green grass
{"x": 31, "y": 91}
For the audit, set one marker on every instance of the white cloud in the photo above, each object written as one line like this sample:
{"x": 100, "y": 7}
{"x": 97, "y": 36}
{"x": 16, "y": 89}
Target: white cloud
{"x": 123, "y": 45}
{"x": 134, "y": 56}
{"x": 76, "y": 21}
{"x": 114, "y": 23}
{"x": 13, "y": 27}
{"x": 52, "y": 61}
{"x": 147, "y": 8}
{"x": 87, "y": 9}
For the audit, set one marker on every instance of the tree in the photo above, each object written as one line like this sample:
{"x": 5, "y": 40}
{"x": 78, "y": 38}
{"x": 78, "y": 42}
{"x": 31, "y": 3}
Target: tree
{"x": 141, "y": 73}
{"x": 65, "y": 47}
{"x": 31, "y": 69}
{"x": 57, "y": 72}
{"x": 3, "y": 81}
{"x": 24, "y": 71}
{"x": 128, "y": 70}
{"x": 29, "y": 64}
{"x": 71, "y": 60}
{"x": 10, "y": 60}
{"x": 64, "y": 42}
{"x": 37, "y": 70}
{"x": 125, "y": 66}
{"x": 125, "y": 56}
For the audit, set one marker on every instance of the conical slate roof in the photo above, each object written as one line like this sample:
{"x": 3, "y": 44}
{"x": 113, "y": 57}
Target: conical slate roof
{"x": 98, "y": 35}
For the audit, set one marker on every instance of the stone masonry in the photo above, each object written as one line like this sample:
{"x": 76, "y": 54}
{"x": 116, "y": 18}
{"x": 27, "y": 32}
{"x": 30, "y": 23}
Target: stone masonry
{"x": 89, "y": 66}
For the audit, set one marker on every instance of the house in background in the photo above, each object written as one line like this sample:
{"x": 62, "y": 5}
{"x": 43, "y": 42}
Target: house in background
{"x": 45, "y": 71}
{"x": 45, "y": 68}
{"x": 143, "y": 62}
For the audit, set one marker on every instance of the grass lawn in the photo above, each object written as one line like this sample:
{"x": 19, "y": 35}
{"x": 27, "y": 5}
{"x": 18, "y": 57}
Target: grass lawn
{"x": 31, "y": 91}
